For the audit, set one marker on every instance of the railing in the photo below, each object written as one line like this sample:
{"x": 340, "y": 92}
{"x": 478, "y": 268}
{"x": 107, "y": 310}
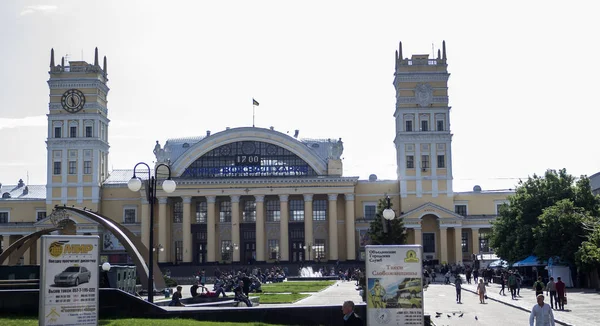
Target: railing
{"x": 422, "y": 62}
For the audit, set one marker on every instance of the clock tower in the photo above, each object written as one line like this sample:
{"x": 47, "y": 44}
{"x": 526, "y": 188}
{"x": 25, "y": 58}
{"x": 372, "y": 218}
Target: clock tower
{"x": 423, "y": 139}
{"x": 77, "y": 142}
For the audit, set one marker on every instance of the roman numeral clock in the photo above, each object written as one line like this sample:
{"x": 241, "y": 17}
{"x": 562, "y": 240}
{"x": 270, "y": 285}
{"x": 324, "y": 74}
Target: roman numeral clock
{"x": 73, "y": 100}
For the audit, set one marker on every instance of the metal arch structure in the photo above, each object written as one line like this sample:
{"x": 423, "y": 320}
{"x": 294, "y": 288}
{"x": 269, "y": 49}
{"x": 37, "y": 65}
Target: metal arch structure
{"x": 134, "y": 246}
{"x": 16, "y": 250}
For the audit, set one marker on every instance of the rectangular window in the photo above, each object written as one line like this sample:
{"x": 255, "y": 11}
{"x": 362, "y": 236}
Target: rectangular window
{"x": 40, "y": 215}
{"x": 370, "y": 212}
{"x": 88, "y": 131}
{"x": 226, "y": 249}
{"x": 319, "y": 210}
{"x": 201, "y": 212}
{"x": 72, "y": 167}
{"x": 273, "y": 249}
{"x": 273, "y": 211}
{"x": 409, "y": 125}
{"x": 57, "y": 168}
{"x": 410, "y": 162}
{"x": 425, "y": 161}
{"x": 4, "y": 217}
{"x": 249, "y": 213}
{"x": 73, "y": 132}
{"x": 319, "y": 248}
{"x": 441, "y": 162}
{"x": 296, "y": 210}
{"x": 178, "y": 251}
{"x": 460, "y": 210}
{"x": 440, "y": 125}
{"x": 225, "y": 211}
{"x": 428, "y": 242}
{"x": 129, "y": 215}
{"x": 57, "y": 132}
{"x": 465, "y": 242}
{"x": 424, "y": 125}
{"x": 178, "y": 212}
{"x": 87, "y": 167}
{"x": 484, "y": 243}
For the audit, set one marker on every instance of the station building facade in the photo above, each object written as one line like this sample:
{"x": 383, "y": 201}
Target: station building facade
{"x": 251, "y": 194}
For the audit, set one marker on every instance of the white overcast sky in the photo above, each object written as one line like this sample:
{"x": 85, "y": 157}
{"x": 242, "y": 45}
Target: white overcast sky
{"x": 523, "y": 86}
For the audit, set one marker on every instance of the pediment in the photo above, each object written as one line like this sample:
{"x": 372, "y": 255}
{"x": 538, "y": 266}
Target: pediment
{"x": 433, "y": 209}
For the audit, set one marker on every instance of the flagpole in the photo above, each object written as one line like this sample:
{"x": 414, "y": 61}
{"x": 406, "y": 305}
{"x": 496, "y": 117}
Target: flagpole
{"x": 253, "y": 106}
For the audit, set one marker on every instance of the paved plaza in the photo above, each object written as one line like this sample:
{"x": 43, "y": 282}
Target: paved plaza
{"x": 582, "y": 309}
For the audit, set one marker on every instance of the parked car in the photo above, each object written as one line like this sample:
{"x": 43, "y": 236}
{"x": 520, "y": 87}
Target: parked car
{"x": 73, "y": 276}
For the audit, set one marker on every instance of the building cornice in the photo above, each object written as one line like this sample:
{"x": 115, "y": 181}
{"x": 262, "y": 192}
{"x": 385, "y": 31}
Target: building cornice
{"x": 416, "y": 136}
{"x": 289, "y": 182}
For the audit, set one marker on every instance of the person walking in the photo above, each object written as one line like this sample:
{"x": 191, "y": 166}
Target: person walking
{"x": 538, "y": 286}
{"x": 350, "y": 317}
{"x": 512, "y": 284}
{"x": 519, "y": 281}
{"x": 561, "y": 293}
{"x": 503, "y": 284}
{"x": 475, "y": 275}
{"x": 458, "y": 285}
{"x": 481, "y": 291}
{"x": 541, "y": 313}
{"x": 551, "y": 291}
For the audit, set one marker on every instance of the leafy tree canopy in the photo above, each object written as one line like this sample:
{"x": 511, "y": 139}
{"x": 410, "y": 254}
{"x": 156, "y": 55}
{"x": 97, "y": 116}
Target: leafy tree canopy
{"x": 538, "y": 217}
{"x": 396, "y": 234}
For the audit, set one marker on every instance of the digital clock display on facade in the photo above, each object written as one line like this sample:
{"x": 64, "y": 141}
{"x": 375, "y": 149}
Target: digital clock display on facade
{"x": 247, "y": 160}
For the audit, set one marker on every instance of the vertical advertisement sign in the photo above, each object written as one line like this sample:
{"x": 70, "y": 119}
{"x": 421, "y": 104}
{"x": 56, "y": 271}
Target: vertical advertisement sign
{"x": 69, "y": 280}
{"x": 394, "y": 285}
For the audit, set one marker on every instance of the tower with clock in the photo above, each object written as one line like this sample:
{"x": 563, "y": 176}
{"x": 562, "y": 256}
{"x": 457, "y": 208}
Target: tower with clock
{"x": 77, "y": 144}
{"x": 423, "y": 139}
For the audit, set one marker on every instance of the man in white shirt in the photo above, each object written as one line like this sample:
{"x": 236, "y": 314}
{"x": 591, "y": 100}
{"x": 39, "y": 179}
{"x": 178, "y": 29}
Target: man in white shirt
{"x": 542, "y": 313}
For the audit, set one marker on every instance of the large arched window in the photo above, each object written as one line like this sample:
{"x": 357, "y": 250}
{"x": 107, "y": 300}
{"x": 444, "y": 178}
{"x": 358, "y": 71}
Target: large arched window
{"x": 248, "y": 159}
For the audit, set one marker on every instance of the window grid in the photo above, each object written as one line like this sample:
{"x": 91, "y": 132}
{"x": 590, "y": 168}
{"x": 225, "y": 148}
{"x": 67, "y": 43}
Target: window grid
{"x": 87, "y": 167}
{"x": 57, "y": 132}
{"x": 441, "y": 161}
{"x": 73, "y": 132}
{"x": 370, "y": 212}
{"x": 179, "y": 251}
{"x": 409, "y": 126}
{"x": 440, "y": 125}
{"x": 41, "y": 215}
{"x": 249, "y": 213}
{"x": 273, "y": 210}
{"x": 129, "y": 215}
{"x": 424, "y": 125}
{"x": 88, "y": 131}
{"x": 72, "y": 167}
{"x": 225, "y": 211}
{"x": 57, "y": 168}
{"x": 178, "y": 212}
{"x": 460, "y": 210}
{"x": 201, "y": 212}
{"x": 425, "y": 161}
{"x": 3, "y": 217}
{"x": 428, "y": 242}
{"x": 319, "y": 248}
{"x": 296, "y": 210}
{"x": 465, "y": 242}
{"x": 319, "y": 210}
{"x": 410, "y": 162}
{"x": 225, "y": 253}
{"x": 484, "y": 243}
{"x": 273, "y": 248}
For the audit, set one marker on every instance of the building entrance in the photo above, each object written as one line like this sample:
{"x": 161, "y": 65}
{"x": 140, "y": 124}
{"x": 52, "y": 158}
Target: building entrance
{"x": 200, "y": 252}
{"x": 249, "y": 252}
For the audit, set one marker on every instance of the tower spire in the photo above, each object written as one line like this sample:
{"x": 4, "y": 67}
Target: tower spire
{"x": 96, "y": 57}
{"x": 400, "y": 50}
{"x": 62, "y": 62}
{"x": 104, "y": 67}
{"x": 52, "y": 58}
{"x": 444, "y": 50}
{"x": 439, "y": 56}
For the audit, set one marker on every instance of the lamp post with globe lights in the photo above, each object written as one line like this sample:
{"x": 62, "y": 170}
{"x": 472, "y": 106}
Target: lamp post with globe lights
{"x": 168, "y": 186}
{"x": 388, "y": 215}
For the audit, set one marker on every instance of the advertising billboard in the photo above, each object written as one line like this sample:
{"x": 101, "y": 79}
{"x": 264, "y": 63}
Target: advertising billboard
{"x": 69, "y": 280}
{"x": 394, "y": 285}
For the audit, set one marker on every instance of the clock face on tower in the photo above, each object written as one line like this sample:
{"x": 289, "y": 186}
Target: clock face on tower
{"x": 73, "y": 100}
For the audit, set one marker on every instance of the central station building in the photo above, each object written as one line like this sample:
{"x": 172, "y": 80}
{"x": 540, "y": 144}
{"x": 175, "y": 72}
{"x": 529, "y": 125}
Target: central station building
{"x": 253, "y": 195}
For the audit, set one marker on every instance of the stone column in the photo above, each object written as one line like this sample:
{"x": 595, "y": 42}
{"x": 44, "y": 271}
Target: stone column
{"x": 309, "y": 241}
{"x": 235, "y": 226}
{"x": 284, "y": 242}
{"x": 458, "y": 245}
{"x": 260, "y": 227}
{"x": 145, "y": 222}
{"x": 162, "y": 230}
{"x": 186, "y": 229}
{"x": 444, "y": 245}
{"x": 475, "y": 240}
{"x": 418, "y": 236}
{"x": 333, "y": 232}
{"x": 350, "y": 233}
{"x": 211, "y": 248}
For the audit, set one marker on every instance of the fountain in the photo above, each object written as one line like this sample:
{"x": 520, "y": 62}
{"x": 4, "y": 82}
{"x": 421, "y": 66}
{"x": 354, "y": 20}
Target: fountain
{"x": 308, "y": 272}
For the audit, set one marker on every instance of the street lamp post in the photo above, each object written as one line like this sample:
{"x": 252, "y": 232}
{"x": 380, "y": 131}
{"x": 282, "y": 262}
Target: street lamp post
{"x": 135, "y": 184}
{"x": 388, "y": 215}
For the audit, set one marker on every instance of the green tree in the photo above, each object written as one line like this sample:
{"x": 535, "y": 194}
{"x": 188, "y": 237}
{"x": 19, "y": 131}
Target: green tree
{"x": 518, "y": 228}
{"x": 396, "y": 233}
{"x": 588, "y": 254}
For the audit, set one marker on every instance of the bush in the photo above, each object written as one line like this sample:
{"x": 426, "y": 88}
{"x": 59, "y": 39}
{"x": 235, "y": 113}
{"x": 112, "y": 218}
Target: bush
{"x": 169, "y": 282}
